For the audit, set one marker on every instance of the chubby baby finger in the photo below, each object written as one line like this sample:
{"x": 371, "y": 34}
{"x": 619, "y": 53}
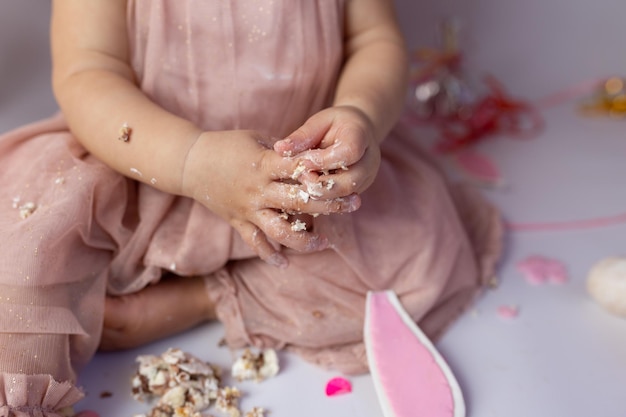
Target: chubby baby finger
{"x": 258, "y": 241}
{"x": 291, "y": 232}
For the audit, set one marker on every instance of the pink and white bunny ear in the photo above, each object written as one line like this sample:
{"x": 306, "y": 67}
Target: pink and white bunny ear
{"x": 410, "y": 376}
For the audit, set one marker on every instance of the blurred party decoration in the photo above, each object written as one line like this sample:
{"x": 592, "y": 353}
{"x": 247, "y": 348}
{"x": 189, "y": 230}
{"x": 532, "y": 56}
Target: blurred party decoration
{"x": 609, "y": 99}
{"x": 440, "y": 95}
{"x": 438, "y": 88}
{"x": 465, "y": 113}
{"x": 495, "y": 113}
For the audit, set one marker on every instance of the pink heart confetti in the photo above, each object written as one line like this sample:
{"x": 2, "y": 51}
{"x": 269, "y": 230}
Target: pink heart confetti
{"x": 557, "y": 274}
{"x": 508, "y": 311}
{"x": 338, "y": 386}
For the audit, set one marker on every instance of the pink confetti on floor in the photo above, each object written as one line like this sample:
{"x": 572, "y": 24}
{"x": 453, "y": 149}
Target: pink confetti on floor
{"x": 508, "y": 311}
{"x": 338, "y": 386}
{"x": 539, "y": 269}
{"x": 478, "y": 167}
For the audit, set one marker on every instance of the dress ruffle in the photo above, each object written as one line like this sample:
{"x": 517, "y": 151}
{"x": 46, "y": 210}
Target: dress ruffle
{"x": 36, "y": 396}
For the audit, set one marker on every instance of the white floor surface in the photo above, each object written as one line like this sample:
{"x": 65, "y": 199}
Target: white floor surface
{"x": 563, "y": 356}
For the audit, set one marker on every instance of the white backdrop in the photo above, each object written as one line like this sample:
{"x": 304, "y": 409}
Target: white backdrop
{"x": 563, "y": 356}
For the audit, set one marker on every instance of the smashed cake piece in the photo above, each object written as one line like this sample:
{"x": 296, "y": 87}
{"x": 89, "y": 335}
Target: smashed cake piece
{"x": 228, "y": 401}
{"x": 257, "y": 367}
{"x": 184, "y": 384}
{"x": 255, "y": 412}
{"x": 163, "y": 410}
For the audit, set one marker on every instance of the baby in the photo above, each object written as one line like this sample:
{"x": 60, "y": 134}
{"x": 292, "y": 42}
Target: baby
{"x": 232, "y": 160}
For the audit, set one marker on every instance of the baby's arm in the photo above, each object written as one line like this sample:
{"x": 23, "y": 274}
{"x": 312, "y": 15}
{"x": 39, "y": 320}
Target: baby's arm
{"x": 229, "y": 172}
{"x": 96, "y": 90}
{"x": 368, "y": 101}
{"x": 375, "y": 74}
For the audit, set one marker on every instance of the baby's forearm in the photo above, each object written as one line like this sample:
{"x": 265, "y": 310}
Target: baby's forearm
{"x": 377, "y": 90}
{"x": 375, "y": 74}
{"x": 118, "y": 124}
{"x": 95, "y": 87}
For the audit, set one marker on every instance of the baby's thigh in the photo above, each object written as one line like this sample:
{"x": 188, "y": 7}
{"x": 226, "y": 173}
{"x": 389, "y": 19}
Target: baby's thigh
{"x": 54, "y": 243}
{"x": 58, "y": 201}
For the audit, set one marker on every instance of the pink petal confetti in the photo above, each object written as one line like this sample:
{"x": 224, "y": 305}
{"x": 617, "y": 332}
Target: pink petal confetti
{"x": 556, "y": 271}
{"x": 478, "y": 167}
{"x": 538, "y": 270}
{"x": 338, "y": 386}
{"x": 508, "y": 311}
{"x": 533, "y": 269}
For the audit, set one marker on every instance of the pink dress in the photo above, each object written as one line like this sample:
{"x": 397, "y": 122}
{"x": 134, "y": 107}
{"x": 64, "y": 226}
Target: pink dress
{"x": 73, "y": 229}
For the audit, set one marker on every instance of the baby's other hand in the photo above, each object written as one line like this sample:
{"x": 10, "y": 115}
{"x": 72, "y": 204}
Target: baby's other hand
{"x": 339, "y": 148}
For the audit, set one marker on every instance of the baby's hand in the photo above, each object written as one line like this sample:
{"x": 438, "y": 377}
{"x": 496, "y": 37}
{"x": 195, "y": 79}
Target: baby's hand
{"x": 255, "y": 190}
{"x": 339, "y": 147}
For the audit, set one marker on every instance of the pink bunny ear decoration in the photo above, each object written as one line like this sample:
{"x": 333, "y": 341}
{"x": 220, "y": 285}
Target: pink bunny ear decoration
{"x": 410, "y": 376}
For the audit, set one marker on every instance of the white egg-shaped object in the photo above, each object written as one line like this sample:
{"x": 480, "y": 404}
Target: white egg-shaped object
{"x": 607, "y": 284}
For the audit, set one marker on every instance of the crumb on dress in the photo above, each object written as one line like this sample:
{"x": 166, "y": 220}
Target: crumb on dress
{"x": 27, "y": 209}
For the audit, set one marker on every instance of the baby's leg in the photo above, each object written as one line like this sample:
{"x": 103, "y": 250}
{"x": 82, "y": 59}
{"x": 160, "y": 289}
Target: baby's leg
{"x": 170, "y": 306}
{"x": 316, "y": 307}
{"x": 51, "y": 316}
{"x": 55, "y": 259}
{"x": 27, "y": 365}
